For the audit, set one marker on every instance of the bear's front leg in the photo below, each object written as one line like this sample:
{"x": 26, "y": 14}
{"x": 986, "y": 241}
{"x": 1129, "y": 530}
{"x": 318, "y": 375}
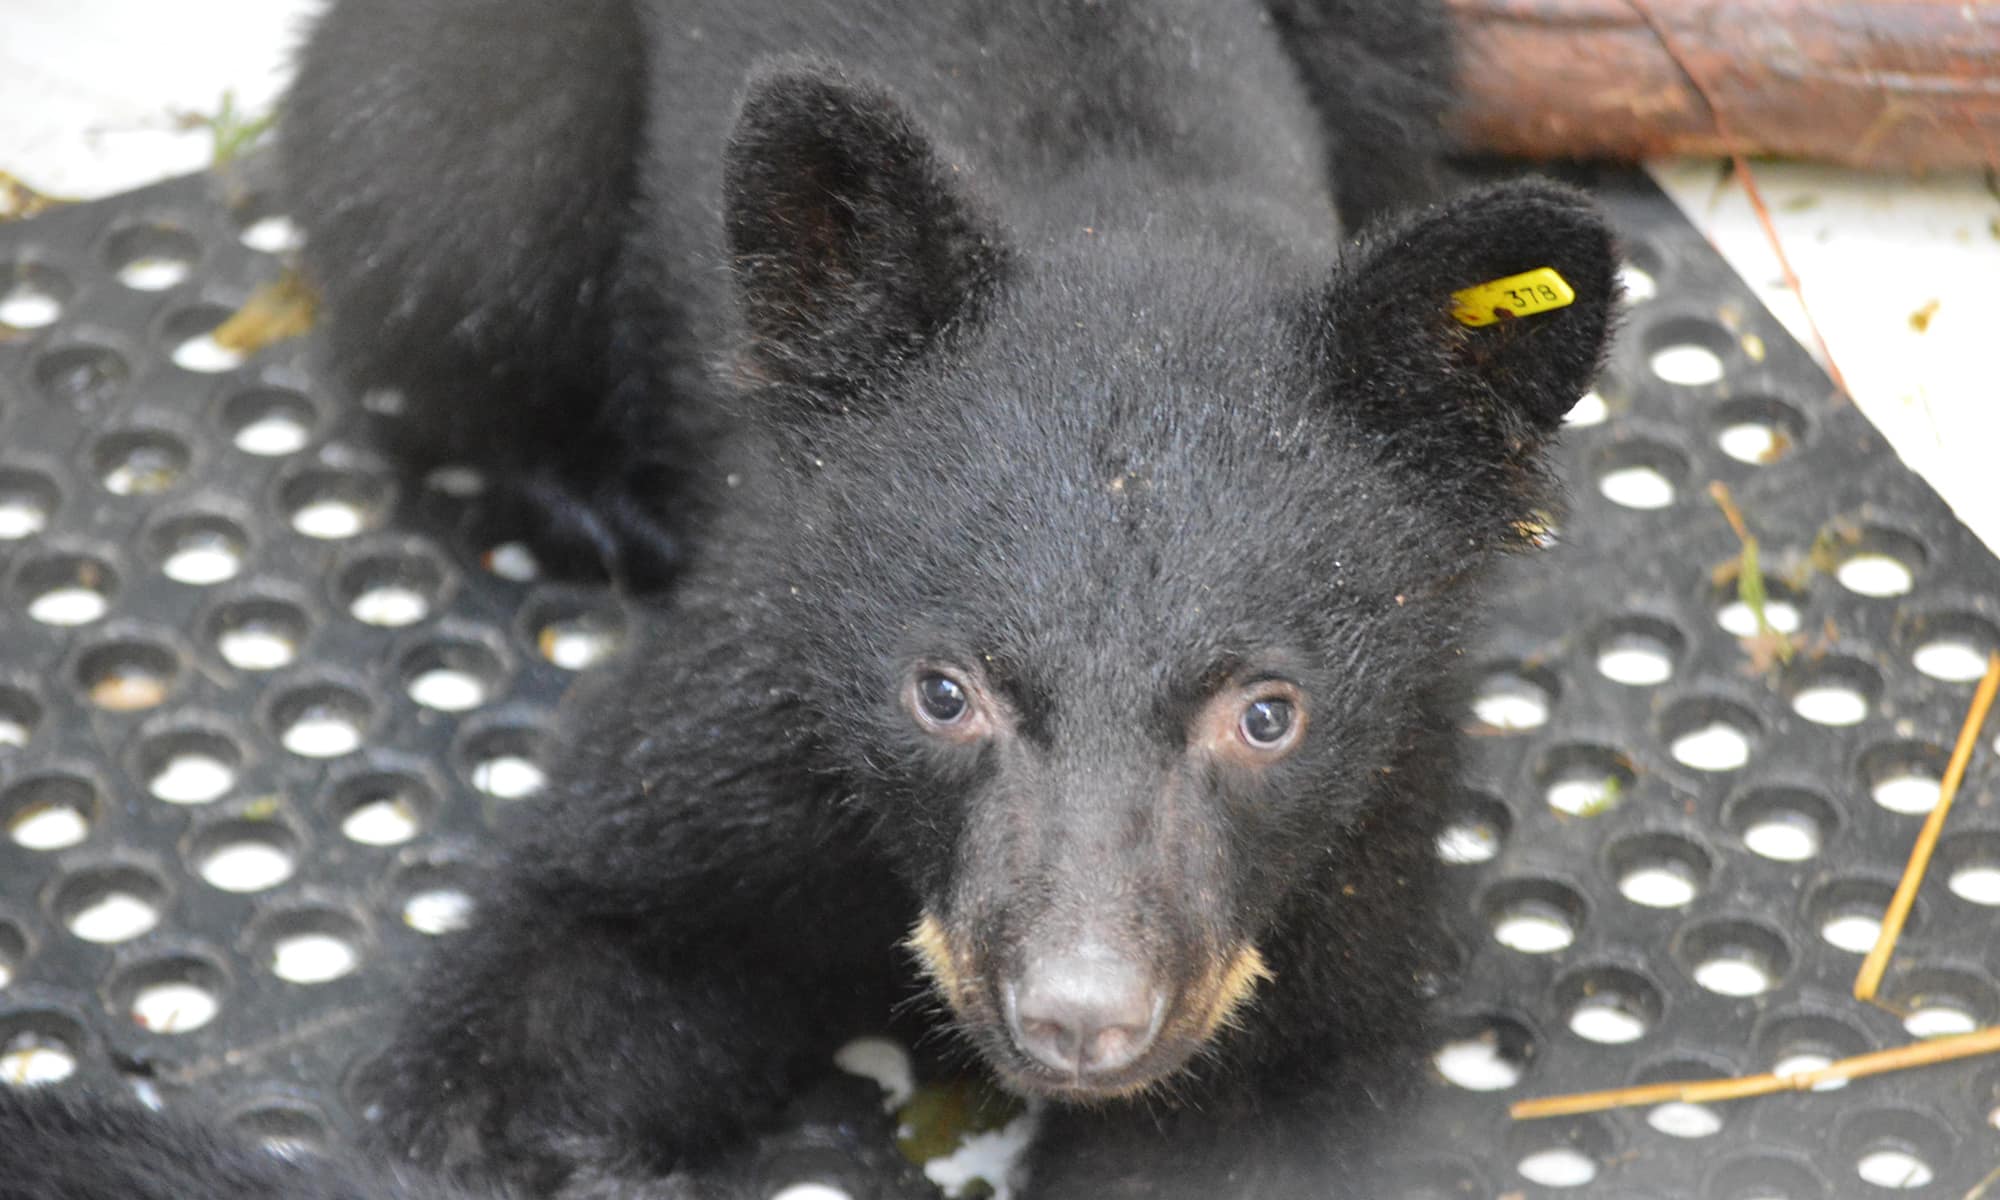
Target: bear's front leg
{"x": 681, "y": 932}
{"x": 553, "y": 1045}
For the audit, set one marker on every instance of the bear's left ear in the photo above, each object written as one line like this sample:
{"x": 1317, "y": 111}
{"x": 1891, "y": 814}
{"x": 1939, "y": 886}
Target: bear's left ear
{"x": 1474, "y": 386}
{"x": 850, "y": 240}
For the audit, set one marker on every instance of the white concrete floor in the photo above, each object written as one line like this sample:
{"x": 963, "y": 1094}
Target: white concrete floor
{"x": 96, "y": 96}
{"x": 1900, "y": 276}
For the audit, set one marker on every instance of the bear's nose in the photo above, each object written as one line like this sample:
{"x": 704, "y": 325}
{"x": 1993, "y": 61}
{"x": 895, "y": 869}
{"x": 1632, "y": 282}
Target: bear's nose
{"x": 1084, "y": 1015}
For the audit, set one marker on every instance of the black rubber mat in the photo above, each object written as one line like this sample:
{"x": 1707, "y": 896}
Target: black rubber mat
{"x": 259, "y": 698}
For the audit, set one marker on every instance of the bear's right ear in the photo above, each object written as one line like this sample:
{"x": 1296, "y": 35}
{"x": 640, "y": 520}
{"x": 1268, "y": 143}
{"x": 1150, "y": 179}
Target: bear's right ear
{"x": 850, "y": 240}
{"x": 1475, "y": 391}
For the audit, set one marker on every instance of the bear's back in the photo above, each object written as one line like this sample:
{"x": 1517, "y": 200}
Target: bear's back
{"x": 1169, "y": 118}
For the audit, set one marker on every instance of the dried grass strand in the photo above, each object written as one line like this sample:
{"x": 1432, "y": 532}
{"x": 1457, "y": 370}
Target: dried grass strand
{"x": 1705, "y": 1091}
{"x": 1877, "y": 963}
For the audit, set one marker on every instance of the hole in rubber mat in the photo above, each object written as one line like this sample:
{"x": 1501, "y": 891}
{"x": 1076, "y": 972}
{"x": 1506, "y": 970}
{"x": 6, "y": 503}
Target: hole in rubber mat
{"x": 1875, "y": 562}
{"x": 1782, "y": 823}
{"x": 50, "y": 811}
{"x": 269, "y": 422}
{"x": 1560, "y": 1153}
{"x": 140, "y": 462}
{"x": 573, "y": 630}
{"x": 1758, "y": 430}
{"x": 199, "y": 549}
{"x": 262, "y": 224}
{"x": 39, "y": 1047}
{"x": 1512, "y": 698}
{"x": 391, "y": 588}
{"x": 1689, "y": 1120}
{"x": 1711, "y": 733}
{"x": 1951, "y": 647}
{"x": 32, "y": 295}
{"x": 1937, "y": 1001}
{"x": 333, "y": 505}
{"x": 434, "y": 896}
{"x": 382, "y": 807}
{"x": 1780, "y": 613}
{"x": 1636, "y": 284}
{"x": 1533, "y": 916}
{"x": 1590, "y": 409}
{"x": 308, "y": 944}
{"x": 66, "y": 589}
{"x": 189, "y": 765}
{"x": 152, "y": 257}
{"x": 1475, "y": 831}
{"x": 110, "y": 903}
{"x": 1658, "y": 870}
{"x": 244, "y": 855}
{"x": 506, "y": 762}
{"x": 1640, "y": 474}
{"x": 1894, "y": 1149}
{"x": 1688, "y": 351}
{"x": 321, "y": 720}
{"x": 452, "y": 674}
{"x": 1834, "y": 690}
{"x": 256, "y": 633}
{"x": 1487, "y": 1053}
{"x": 1638, "y": 651}
{"x": 1582, "y": 780}
{"x": 1796, "y": 1043}
{"x": 1734, "y": 957}
{"x": 172, "y": 994}
{"x": 189, "y": 338}
{"x": 1970, "y": 865}
{"x": 28, "y": 500}
{"x": 1608, "y": 1005}
{"x": 1847, "y": 913}
{"x": 83, "y": 377}
{"x": 1904, "y": 777}
{"x": 128, "y": 674}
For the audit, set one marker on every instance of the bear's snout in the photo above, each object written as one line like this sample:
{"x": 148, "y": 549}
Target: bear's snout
{"x": 1086, "y": 1015}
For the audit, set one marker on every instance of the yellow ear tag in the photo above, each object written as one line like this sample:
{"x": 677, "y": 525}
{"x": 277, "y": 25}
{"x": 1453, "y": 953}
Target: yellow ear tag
{"x": 1538, "y": 291}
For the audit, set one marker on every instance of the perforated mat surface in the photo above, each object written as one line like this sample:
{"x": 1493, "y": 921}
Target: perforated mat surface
{"x": 259, "y": 700}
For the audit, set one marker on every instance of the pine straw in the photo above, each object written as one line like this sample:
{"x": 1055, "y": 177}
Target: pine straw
{"x": 1877, "y": 961}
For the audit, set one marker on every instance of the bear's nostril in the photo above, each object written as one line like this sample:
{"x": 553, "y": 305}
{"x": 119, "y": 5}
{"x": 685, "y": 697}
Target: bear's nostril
{"x": 1084, "y": 1016}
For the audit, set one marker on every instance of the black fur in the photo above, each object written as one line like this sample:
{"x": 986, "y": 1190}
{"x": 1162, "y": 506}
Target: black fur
{"x": 55, "y": 1146}
{"x": 467, "y": 173}
{"x": 1017, "y": 341}
{"x": 513, "y": 205}
{"x": 1379, "y": 75}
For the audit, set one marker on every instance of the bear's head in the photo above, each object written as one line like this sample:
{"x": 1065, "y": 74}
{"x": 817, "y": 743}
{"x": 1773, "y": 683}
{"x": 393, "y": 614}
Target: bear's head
{"x": 1128, "y": 554}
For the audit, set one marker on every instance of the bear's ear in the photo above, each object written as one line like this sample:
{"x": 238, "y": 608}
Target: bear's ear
{"x": 851, "y": 242}
{"x": 1474, "y": 388}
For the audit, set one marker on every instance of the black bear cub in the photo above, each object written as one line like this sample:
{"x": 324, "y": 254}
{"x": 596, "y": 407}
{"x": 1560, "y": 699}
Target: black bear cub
{"x": 1076, "y": 533}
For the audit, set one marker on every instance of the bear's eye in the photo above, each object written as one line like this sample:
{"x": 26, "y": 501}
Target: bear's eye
{"x": 1252, "y": 725}
{"x": 949, "y": 705}
{"x": 941, "y": 699}
{"x": 1266, "y": 722}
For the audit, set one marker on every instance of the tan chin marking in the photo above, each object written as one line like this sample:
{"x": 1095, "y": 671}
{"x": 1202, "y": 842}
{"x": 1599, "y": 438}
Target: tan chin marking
{"x": 1237, "y": 981}
{"x": 933, "y": 950}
